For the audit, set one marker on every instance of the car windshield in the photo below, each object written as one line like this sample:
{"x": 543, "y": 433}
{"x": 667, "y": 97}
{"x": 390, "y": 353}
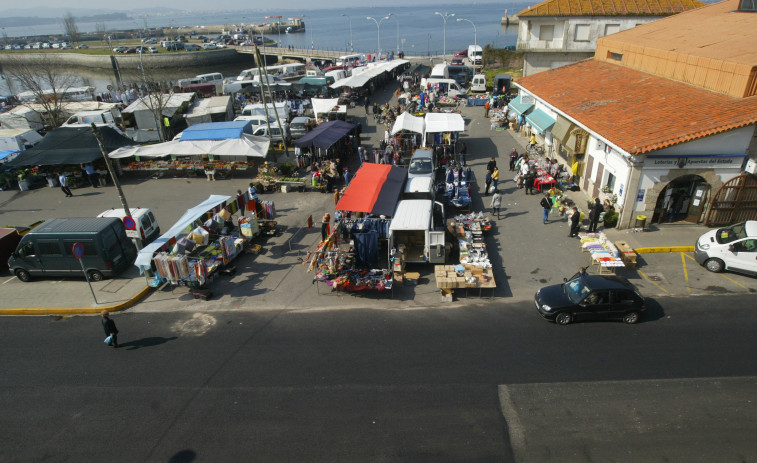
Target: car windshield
{"x": 421, "y": 166}
{"x": 576, "y": 290}
{"x": 732, "y": 233}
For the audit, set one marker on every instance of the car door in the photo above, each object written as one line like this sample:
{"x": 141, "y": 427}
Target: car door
{"x": 595, "y": 306}
{"x": 54, "y": 261}
{"x": 742, "y": 256}
{"x": 622, "y": 301}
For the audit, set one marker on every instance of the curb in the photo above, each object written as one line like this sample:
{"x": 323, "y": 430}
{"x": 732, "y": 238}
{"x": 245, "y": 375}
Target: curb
{"x": 79, "y": 310}
{"x": 656, "y": 249}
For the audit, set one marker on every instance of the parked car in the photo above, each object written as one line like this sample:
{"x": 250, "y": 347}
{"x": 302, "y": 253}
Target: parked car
{"x": 457, "y": 62}
{"x": 275, "y": 134}
{"x": 82, "y": 46}
{"x": 421, "y": 164}
{"x": 730, "y": 248}
{"x": 152, "y": 49}
{"x": 192, "y": 47}
{"x": 590, "y": 297}
{"x": 129, "y": 51}
{"x": 299, "y": 126}
{"x": 140, "y": 49}
{"x": 209, "y": 46}
{"x": 120, "y": 49}
{"x": 461, "y": 54}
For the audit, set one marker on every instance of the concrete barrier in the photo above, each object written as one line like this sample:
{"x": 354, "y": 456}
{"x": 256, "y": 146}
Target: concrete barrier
{"x": 153, "y": 61}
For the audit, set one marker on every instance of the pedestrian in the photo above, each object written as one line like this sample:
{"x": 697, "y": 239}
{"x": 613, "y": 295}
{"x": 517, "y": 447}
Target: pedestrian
{"x": 486, "y": 109}
{"x": 346, "y": 177}
{"x": 210, "y": 172}
{"x": 495, "y": 177}
{"x": 463, "y": 152}
{"x": 529, "y": 181}
{"x": 252, "y": 192}
{"x": 488, "y": 182}
{"x": 110, "y": 328}
{"x": 575, "y": 223}
{"x": 532, "y": 142}
{"x": 64, "y": 185}
{"x": 596, "y": 211}
{"x": 366, "y": 104}
{"x": 513, "y": 159}
{"x": 325, "y": 226}
{"x": 491, "y": 164}
{"x": 91, "y": 174}
{"x": 496, "y": 203}
{"x": 546, "y": 205}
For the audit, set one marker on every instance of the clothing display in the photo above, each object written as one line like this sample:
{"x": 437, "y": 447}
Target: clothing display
{"x": 603, "y": 252}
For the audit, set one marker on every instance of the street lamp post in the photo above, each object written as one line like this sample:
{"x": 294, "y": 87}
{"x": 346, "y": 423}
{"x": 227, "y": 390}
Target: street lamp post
{"x": 378, "y": 28}
{"x": 444, "y": 17}
{"x": 475, "y": 33}
{"x": 398, "y": 34}
{"x": 312, "y": 43}
{"x": 352, "y": 47}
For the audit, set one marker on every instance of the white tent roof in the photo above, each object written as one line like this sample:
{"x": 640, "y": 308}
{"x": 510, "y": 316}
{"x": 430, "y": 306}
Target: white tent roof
{"x": 360, "y": 78}
{"x": 171, "y": 103}
{"x": 407, "y": 121}
{"x": 444, "y": 122}
{"x": 248, "y": 145}
{"x": 411, "y": 214}
{"x": 325, "y": 105}
{"x": 180, "y": 227}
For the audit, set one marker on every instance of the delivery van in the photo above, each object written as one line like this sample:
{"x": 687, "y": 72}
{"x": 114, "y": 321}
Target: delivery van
{"x": 475, "y": 54}
{"x": 417, "y": 230}
{"x": 440, "y": 71}
{"x": 478, "y": 84}
{"x": 730, "y": 248}
{"x": 419, "y": 188}
{"x": 147, "y": 226}
{"x": 446, "y": 86}
{"x": 47, "y": 250}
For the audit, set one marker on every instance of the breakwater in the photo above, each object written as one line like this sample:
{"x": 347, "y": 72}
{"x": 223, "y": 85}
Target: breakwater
{"x": 151, "y": 61}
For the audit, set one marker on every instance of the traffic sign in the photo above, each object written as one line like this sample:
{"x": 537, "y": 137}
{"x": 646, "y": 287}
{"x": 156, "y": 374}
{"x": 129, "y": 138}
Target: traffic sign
{"x": 77, "y": 250}
{"x": 129, "y": 223}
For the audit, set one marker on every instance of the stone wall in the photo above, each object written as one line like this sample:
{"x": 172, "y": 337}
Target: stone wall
{"x": 153, "y": 61}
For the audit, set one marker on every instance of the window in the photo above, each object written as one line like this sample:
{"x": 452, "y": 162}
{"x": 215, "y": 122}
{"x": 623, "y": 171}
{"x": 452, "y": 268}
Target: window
{"x": 610, "y": 182}
{"x": 546, "y": 32}
{"x": 48, "y": 248}
{"x": 582, "y": 32}
{"x": 615, "y": 56}
{"x": 612, "y": 28}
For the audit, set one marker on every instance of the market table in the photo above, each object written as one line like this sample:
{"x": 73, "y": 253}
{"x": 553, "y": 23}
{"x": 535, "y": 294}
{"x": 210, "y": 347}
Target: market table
{"x": 543, "y": 180}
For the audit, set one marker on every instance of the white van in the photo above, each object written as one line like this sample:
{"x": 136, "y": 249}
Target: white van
{"x": 147, "y": 226}
{"x": 337, "y": 74}
{"x": 417, "y": 227}
{"x": 256, "y": 120}
{"x": 446, "y": 86}
{"x": 349, "y": 60}
{"x": 729, "y": 248}
{"x": 419, "y": 188}
{"x": 440, "y": 71}
{"x": 478, "y": 84}
{"x": 475, "y": 54}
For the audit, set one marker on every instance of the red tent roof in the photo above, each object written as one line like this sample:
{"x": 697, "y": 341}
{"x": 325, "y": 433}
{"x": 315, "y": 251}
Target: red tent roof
{"x": 375, "y": 190}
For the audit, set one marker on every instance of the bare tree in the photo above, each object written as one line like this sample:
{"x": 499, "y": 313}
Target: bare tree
{"x": 69, "y": 26}
{"x": 102, "y": 32}
{"x": 44, "y": 80}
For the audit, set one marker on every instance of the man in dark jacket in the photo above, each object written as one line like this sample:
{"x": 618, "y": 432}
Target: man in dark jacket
{"x": 110, "y": 328}
{"x": 491, "y": 165}
{"x": 546, "y": 205}
{"x": 596, "y": 211}
{"x": 529, "y": 181}
{"x": 575, "y": 223}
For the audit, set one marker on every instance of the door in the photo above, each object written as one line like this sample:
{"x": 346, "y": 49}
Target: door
{"x": 598, "y": 180}
{"x": 28, "y": 258}
{"x": 697, "y": 201}
{"x": 436, "y": 249}
{"x": 743, "y": 256}
{"x": 621, "y": 301}
{"x": 52, "y": 257}
{"x": 596, "y": 306}
{"x": 589, "y": 165}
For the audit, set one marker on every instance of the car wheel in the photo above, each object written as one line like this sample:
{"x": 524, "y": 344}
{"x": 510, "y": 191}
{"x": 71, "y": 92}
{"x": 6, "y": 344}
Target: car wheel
{"x": 714, "y": 265}
{"x": 95, "y": 275}
{"x": 631, "y": 318}
{"x": 563, "y": 318}
{"x": 23, "y": 275}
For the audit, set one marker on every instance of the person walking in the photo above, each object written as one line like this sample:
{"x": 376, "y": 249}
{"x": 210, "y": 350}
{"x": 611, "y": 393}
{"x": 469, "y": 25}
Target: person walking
{"x": 110, "y": 328}
{"x": 491, "y": 164}
{"x": 513, "y": 159}
{"x": 486, "y": 109}
{"x": 325, "y": 226}
{"x": 495, "y": 177}
{"x": 210, "y": 172}
{"x": 64, "y": 185}
{"x": 366, "y": 104}
{"x": 347, "y": 176}
{"x": 575, "y": 223}
{"x": 91, "y": 174}
{"x": 529, "y": 181}
{"x": 496, "y": 203}
{"x": 488, "y": 182}
{"x": 596, "y": 211}
{"x": 546, "y": 205}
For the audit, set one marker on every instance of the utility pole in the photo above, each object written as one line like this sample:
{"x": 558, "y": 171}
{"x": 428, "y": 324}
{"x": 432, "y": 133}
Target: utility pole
{"x": 113, "y": 176}
{"x": 262, "y": 72}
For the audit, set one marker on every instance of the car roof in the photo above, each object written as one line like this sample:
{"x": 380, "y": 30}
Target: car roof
{"x": 608, "y": 282}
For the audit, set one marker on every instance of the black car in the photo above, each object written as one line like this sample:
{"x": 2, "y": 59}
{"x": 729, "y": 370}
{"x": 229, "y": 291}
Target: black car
{"x": 590, "y": 297}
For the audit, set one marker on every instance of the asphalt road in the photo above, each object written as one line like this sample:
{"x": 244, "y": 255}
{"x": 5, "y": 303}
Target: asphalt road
{"x": 415, "y": 385}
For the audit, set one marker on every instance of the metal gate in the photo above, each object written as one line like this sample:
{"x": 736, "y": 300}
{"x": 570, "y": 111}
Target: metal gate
{"x": 735, "y": 201}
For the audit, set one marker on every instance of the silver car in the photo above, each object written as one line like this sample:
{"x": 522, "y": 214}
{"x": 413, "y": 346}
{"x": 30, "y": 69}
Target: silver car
{"x": 299, "y": 127}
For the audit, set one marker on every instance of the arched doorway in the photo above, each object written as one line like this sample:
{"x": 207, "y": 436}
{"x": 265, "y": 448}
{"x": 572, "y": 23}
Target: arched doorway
{"x": 682, "y": 200}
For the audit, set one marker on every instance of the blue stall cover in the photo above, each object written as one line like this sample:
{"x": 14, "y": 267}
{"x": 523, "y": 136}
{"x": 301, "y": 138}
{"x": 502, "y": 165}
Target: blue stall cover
{"x": 325, "y": 134}
{"x": 4, "y": 154}
{"x": 216, "y": 130}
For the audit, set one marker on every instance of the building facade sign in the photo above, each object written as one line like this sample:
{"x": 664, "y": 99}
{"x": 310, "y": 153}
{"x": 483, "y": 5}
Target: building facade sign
{"x": 716, "y": 161}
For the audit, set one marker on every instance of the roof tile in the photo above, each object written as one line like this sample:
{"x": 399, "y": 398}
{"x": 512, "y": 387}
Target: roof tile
{"x": 609, "y": 7}
{"x": 638, "y": 112}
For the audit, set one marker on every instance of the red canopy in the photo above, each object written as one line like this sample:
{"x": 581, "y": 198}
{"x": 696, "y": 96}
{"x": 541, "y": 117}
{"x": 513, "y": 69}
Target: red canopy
{"x": 375, "y": 189}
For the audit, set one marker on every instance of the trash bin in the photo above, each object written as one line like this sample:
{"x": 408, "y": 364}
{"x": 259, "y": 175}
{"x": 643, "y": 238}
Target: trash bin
{"x": 641, "y": 221}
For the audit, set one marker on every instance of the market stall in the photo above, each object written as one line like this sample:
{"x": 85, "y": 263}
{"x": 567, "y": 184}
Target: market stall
{"x": 329, "y": 140}
{"x": 474, "y": 270}
{"x": 605, "y": 257}
{"x": 328, "y": 109}
{"x": 441, "y": 133}
{"x": 457, "y": 187}
{"x": 407, "y": 134}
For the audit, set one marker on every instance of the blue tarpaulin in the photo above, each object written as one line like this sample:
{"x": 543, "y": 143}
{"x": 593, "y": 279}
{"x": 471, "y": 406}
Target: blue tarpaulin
{"x": 217, "y": 130}
{"x": 5, "y": 154}
{"x": 325, "y": 134}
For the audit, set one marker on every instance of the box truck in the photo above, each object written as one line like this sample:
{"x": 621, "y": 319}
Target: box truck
{"x": 417, "y": 230}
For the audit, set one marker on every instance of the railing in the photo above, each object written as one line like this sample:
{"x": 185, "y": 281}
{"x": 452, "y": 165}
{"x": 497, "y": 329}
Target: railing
{"x": 336, "y": 52}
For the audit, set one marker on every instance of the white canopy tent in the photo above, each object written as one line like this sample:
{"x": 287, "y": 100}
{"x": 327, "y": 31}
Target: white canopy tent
{"x": 145, "y": 254}
{"x": 248, "y": 145}
{"x": 410, "y": 123}
{"x": 442, "y": 123}
{"x": 326, "y": 105}
{"x": 361, "y": 76}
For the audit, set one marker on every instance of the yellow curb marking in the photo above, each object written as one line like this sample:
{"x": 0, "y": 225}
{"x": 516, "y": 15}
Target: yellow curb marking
{"x": 720, "y": 275}
{"x": 685, "y": 272}
{"x": 654, "y": 249}
{"x": 647, "y": 278}
{"x": 78, "y": 310}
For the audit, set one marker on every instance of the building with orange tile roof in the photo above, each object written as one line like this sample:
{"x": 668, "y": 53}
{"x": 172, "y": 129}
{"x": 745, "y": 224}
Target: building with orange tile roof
{"x": 554, "y": 33}
{"x": 660, "y": 119}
